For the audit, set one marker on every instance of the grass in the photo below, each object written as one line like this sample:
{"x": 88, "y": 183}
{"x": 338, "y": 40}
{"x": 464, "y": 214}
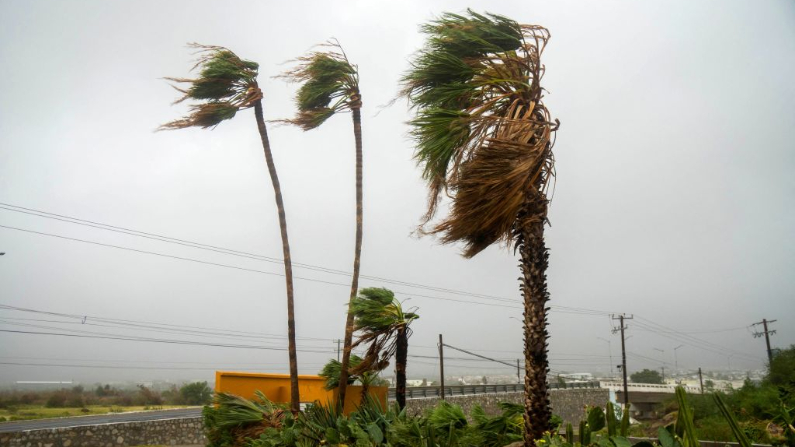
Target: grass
{"x": 27, "y": 412}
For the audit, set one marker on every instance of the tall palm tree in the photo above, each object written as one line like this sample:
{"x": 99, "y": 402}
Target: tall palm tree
{"x": 227, "y": 84}
{"x": 484, "y": 137}
{"x": 330, "y": 84}
{"x": 383, "y": 326}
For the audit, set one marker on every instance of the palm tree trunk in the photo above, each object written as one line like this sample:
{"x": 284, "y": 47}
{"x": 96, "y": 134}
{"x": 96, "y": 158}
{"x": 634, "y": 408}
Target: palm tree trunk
{"x": 401, "y": 356}
{"x": 365, "y": 391}
{"x": 288, "y": 265}
{"x": 346, "y": 353}
{"x": 534, "y": 261}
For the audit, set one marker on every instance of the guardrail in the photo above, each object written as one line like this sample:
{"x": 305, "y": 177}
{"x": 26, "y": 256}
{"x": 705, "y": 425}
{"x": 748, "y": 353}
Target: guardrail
{"x": 420, "y": 392}
{"x": 648, "y": 387}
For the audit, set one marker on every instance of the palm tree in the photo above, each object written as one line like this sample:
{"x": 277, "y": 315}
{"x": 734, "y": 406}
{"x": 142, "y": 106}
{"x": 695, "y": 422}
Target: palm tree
{"x": 227, "y": 84}
{"x": 484, "y": 137}
{"x": 384, "y": 327}
{"x": 330, "y": 84}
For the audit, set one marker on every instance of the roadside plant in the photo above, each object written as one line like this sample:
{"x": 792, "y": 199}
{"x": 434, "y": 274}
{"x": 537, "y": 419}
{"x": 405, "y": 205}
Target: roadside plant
{"x": 227, "y": 84}
{"x": 330, "y": 85}
{"x": 484, "y": 139}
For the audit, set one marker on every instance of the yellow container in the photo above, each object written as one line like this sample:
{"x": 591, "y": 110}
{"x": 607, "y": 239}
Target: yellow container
{"x": 276, "y": 387}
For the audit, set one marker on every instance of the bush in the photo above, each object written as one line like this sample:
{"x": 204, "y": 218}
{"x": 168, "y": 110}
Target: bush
{"x": 57, "y": 400}
{"x": 197, "y": 393}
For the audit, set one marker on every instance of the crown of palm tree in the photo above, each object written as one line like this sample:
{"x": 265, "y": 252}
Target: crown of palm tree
{"x": 379, "y": 316}
{"x": 226, "y": 84}
{"x": 331, "y": 372}
{"x": 330, "y": 84}
{"x": 481, "y": 130}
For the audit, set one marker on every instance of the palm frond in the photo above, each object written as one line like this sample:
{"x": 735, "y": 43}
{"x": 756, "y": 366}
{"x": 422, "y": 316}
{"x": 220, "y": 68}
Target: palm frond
{"x": 331, "y": 372}
{"x": 329, "y": 84}
{"x": 225, "y": 84}
{"x": 481, "y": 131}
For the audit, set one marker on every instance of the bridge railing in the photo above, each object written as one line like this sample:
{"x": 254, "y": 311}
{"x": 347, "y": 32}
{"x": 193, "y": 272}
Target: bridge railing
{"x": 648, "y": 387}
{"x": 420, "y": 392}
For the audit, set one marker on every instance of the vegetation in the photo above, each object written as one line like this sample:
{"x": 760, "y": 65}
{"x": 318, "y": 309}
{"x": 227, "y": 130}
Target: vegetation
{"x": 646, "y": 376}
{"x": 76, "y": 401}
{"x": 764, "y": 412}
{"x": 331, "y": 372}
{"x": 330, "y": 84}
{"x": 226, "y": 85}
{"x": 484, "y": 137}
{"x": 383, "y": 327}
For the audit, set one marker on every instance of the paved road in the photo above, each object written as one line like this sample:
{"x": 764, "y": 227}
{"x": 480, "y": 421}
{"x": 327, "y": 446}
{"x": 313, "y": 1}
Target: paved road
{"x": 100, "y": 419}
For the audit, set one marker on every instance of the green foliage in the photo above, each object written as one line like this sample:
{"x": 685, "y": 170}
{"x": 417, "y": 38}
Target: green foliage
{"x": 379, "y": 319}
{"x": 197, "y": 393}
{"x": 781, "y": 370}
{"x": 646, "y": 376}
{"x": 329, "y": 84}
{"x": 331, "y": 372}
{"x": 226, "y": 84}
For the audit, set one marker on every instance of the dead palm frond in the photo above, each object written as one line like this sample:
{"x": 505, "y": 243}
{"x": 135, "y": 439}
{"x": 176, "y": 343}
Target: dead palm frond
{"x": 226, "y": 84}
{"x": 379, "y": 316}
{"x": 482, "y": 133}
{"x": 329, "y": 84}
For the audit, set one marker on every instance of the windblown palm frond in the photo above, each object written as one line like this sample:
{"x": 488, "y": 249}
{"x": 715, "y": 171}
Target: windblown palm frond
{"x": 378, "y": 318}
{"x": 329, "y": 84}
{"x": 226, "y": 84}
{"x": 482, "y": 132}
{"x": 331, "y": 372}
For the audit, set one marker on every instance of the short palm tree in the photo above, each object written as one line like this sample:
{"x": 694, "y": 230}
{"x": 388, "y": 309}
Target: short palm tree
{"x": 329, "y": 85}
{"x": 484, "y": 137}
{"x": 331, "y": 372}
{"x": 227, "y": 84}
{"x": 383, "y": 327}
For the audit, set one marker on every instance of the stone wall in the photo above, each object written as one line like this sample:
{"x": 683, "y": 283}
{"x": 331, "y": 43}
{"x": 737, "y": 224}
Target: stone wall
{"x": 568, "y": 404}
{"x": 163, "y": 432}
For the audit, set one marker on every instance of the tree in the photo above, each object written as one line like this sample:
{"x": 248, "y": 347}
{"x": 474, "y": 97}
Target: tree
{"x": 226, "y": 85}
{"x": 646, "y": 376}
{"x": 484, "y": 138}
{"x": 196, "y": 393}
{"x": 383, "y": 326}
{"x": 782, "y": 369}
{"x": 326, "y": 77}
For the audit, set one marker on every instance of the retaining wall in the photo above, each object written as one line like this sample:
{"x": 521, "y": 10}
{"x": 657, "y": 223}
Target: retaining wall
{"x": 568, "y": 404}
{"x": 162, "y": 432}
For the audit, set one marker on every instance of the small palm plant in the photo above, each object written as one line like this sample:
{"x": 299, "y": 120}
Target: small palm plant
{"x": 383, "y": 326}
{"x": 332, "y": 370}
{"x": 484, "y": 137}
{"x": 226, "y": 85}
{"x": 329, "y": 85}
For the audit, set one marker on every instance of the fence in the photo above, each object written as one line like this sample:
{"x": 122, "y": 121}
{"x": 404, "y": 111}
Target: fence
{"x": 419, "y": 392}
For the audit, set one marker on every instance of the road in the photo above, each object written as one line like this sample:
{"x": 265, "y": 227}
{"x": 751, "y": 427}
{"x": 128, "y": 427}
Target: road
{"x": 111, "y": 418}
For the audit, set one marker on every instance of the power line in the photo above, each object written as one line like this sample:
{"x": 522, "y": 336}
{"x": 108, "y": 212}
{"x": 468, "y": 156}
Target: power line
{"x": 228, "y": 251}
{"x": 155, "y": 340}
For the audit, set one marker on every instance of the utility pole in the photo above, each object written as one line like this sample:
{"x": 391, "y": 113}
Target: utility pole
{"x": 701, "y": 380}
{"x": 609, "y": 352}
{"x": 338, "y": 349}
{"x": 441, "y": 364}
{"x": 767, "y": 333}
{"x": 518, "y": 374}
{"x": 663, "y": 374}
{"x": 621, "y": 319}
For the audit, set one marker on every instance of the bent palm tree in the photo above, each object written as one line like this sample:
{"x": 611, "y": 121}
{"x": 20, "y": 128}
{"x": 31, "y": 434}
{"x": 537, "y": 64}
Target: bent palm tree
{"x": 484, "y": 136}
{"x": 331, "y": 85}
{"x": 226, "y": 85}
{"x": 384, "y": 327}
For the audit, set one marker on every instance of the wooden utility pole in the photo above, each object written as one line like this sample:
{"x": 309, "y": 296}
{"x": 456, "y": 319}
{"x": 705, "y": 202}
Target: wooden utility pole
{"x": 338, "y": 349}
{"x": 441, "y": 364}
{"x": 767, "y": 333}
{"x": 518, "y": 374}
{"x": 621, "y": 319}
{"x": 701, "y": 380}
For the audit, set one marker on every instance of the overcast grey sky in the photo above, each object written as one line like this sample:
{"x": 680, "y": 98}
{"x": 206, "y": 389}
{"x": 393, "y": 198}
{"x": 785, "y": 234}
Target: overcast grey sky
{"x": 675, "y": 197}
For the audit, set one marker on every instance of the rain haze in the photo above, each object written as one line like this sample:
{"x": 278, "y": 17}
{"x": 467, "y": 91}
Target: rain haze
{"x": 674, "y": 200}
